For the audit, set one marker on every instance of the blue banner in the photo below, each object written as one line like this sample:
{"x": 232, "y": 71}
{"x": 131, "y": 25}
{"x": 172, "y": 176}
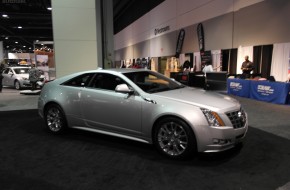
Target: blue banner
{"x": 239, "y": 87}
{"x": 275, "y": 92}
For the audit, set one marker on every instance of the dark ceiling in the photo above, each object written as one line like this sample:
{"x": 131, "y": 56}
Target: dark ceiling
{"x": 36, "y": 22}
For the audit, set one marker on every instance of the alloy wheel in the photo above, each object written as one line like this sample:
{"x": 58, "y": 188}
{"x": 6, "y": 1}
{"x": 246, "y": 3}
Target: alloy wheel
{"x": 55, "y": 119}
{"x": 172, "y": 138}
{"x": 17, "y": 85}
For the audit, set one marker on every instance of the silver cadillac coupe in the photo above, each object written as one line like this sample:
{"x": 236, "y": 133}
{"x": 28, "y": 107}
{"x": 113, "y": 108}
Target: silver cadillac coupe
{"x": 145, "y": 106}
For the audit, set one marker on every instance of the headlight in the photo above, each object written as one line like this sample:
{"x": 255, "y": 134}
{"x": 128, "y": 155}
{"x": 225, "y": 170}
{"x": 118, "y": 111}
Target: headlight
{"x": 212, "y": 117}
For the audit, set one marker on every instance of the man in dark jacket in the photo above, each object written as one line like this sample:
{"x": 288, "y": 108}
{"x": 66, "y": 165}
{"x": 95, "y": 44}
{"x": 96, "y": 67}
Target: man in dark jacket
{"x": 34, "y": 75}
{"x": 247, "y": 67}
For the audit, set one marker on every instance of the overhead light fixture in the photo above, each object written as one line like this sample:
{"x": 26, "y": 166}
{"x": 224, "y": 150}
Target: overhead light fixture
{"x": 24, "y": 46}
{"x": 5, "y": 16}
{"x": 19, "y": 27}
{"x": 6, "y": 38}
{"x": 16, "y": 42}
{"x": 49, "y": 8}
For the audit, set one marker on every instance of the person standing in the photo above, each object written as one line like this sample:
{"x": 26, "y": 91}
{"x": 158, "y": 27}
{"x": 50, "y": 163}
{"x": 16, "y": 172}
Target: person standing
{"x": 247, "y": 67}
{"x": 34, "y": 75}
{"x": 207, "y": 68}
{"x": 1, "y": 76}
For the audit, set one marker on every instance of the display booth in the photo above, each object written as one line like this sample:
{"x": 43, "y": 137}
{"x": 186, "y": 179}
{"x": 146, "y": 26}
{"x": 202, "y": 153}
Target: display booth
{"x": 274, "y": 92}
{"x": 44, "y": 58}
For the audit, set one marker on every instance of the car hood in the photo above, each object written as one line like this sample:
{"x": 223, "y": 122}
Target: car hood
{"x": 201, "y": 98}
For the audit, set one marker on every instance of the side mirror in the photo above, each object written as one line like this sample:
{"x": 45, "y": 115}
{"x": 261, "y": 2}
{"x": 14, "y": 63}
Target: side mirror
{"x": 123, "y": 88}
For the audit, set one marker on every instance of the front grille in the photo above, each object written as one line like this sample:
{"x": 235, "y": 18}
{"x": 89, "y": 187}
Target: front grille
{"x": 238, "y": 118}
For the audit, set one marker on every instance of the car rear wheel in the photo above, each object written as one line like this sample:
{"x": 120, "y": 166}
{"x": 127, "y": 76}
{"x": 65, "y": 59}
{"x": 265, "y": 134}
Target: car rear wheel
{"x": 55, "y": 119}
{"x": 17, "y": 85}
{"x": 174, "y": 138}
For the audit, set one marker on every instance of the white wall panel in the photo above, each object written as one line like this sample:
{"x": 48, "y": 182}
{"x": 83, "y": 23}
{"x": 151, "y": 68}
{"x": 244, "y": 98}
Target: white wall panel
{"x": 137, "y": 38}
{"x": 75, "y": 3}
{"x": 124, "y": 38}
{"x": 185, "y": 6}
{"x": 75, "y": 56}
{"x": 163, "y": 13}
{"x": 129, "y": 53}
{"x": 264, "y": 23}
{"x": 205, "y": 12}
{"x": 164, "y": 45}
{"x": 141, "y": 50}
{"x": 227, "y": 24}
{"x": 170, "y": 23}
{"x": 75, "y": 35}
{"x": 239, "y": 4}
{"x": 178, "y": 14}
{"x": 79, "y": 24}
{"x": 141, "y": 25}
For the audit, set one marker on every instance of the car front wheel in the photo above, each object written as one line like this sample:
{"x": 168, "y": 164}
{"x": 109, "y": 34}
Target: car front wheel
{"x": 55, "y": 120}
{"x": 174, "y": 138}
{"x": 17, "y": 85}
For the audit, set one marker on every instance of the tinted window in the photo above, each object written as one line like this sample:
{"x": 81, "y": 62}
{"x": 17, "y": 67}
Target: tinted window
{"x": 21, "y": 71}
{"x": 106, "y": 81}
{"x": 6, "y": 71}
{"x": 80, "y": 81}
{"x": 152, "y": 82}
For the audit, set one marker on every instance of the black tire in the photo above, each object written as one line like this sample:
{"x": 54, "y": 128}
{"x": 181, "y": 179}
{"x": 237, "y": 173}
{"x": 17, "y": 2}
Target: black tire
{"x": 55, "y": 120}
{"x": 174, "y": 138}
{"x": 17, "y": 85}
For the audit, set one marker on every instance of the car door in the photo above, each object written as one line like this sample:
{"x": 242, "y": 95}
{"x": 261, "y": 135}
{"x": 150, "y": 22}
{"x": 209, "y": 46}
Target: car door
{"x": 105, "y": 109}
{"x": 71, "y": 92}
{"x": 8, "y": 79}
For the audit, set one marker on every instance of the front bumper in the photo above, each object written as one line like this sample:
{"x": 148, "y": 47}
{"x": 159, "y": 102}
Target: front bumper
{"x": 218, "y": 139}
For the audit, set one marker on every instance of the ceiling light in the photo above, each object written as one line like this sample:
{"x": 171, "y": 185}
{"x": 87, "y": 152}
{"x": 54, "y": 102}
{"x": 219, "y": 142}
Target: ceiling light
{"x": 19, "y": 27}
{"x": 5, "y": 16}
{"x": 6, "y": 38}
{"x": 49, "y": 8}
{"x": 16, "y": 42}
{"x": 24, "y": 46}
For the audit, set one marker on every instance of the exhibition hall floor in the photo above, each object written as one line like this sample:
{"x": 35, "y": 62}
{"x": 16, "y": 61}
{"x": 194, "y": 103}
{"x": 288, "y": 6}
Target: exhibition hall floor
{"x": 31, "y": 158}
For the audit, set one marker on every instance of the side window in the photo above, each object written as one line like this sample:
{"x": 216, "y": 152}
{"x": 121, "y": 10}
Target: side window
{"x": 80, "y": 81}
{"x": 107, "y": 81}
{"x": 6, "y": 71}
{"x": 9, "y": 71}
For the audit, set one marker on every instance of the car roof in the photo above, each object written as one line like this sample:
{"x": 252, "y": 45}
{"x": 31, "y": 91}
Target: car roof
{"x": 115, "y": 70}
{"x": 110, "y": 70}
{"x": 127, "y": 70}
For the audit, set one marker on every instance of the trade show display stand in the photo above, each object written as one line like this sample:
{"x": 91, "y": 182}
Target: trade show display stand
{"x": 274, "y": 92}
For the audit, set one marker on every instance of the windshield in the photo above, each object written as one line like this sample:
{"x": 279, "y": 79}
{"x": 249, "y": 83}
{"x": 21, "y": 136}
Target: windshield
{"x": 152, "y": 82}
{"x": 21, "y": 71}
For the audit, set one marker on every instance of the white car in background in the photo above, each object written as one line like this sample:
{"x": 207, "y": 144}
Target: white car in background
{"x": 17, "y": 77}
